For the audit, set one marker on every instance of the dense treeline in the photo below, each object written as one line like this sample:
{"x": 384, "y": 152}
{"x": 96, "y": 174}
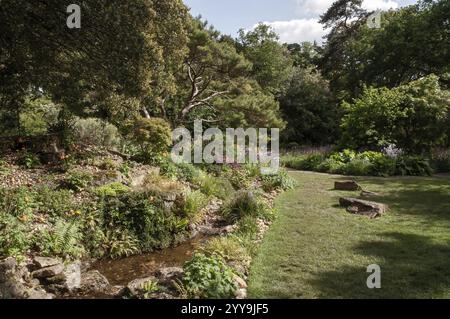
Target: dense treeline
{"x": 134, "y": 59}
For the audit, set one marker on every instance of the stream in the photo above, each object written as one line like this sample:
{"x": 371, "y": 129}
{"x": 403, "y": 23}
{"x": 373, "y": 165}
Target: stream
{"x": 121, "y": 271}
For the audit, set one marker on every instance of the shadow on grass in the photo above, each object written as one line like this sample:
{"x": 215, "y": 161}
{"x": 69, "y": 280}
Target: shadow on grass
{"x": 412, "y": 266}
{"x": 427, "y": 197}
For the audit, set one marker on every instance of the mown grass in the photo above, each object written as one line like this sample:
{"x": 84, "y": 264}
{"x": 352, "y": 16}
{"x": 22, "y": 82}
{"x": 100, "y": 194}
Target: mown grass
{"x": 315, "y": 249}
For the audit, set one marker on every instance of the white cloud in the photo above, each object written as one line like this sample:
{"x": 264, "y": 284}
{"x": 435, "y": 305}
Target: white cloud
{"x": 309, "y": 29}
{"x": 298, "y": 30}
{"x": 309, "y": 8}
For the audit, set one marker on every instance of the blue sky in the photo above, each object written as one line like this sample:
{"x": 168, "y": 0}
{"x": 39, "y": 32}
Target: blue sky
{"x": 294, "y": 20}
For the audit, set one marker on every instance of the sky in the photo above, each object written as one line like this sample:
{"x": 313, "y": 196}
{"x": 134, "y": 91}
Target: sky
{"x": 293, "y": 20}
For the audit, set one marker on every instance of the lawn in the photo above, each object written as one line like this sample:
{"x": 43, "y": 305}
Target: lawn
{"x": 316, "y": 249}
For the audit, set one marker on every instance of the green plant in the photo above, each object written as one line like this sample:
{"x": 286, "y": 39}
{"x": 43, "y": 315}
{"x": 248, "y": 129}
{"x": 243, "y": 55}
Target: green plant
{"x": 112, "y": 189}
{"x": 14, "y": 237}
{"x": 30, "y": 161}
{"x": 19, "y": 202}
{"x": 63, "y": 239}
{"x": 149, "y": 288}
{"x": 240, "y": 177}
{"x": 153, "y": 135}
{"x": 77, "y": 180}
{"x": 144, "y": 215}
{"x": 195, "y": 202}
{"x": 96, "y": 132}
{"x": 55, "y": 203}
{"x": 413, "y": 166}
{"x": 246, "y": 203}
{"x": 229, "y": 248}
{"x": 187, "y": 172}
{"x": 215, "y": 186}
{"x": 358, "y": 167}
{"x": 208, "y": 277}
{"x": 125, "y": 169}
{"x": 108, "y": 164}
{"x": 4, "y": 170}
{"x": 281, "y": 181}
{"x": 121, "y": 243}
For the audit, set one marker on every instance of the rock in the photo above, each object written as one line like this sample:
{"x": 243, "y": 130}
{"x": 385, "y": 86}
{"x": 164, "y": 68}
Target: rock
{"x": 94, "y": 281}
{"x": 72, "y": 274}
{"x": 240, "y": 282}
{"x": 241, "y": 293}
{"x": 169, "y": 274}
{"x": 136, "y": 288}
{"x": 363, "y": 207}
{"x": 368, "y": 194}
{"x": 43, "y": 262}
{"x": 48, "y": 271}
{"x": 39, "y": 294}
{"x": 68, "y": 280}
{"x": 347, "y": 186}
{"x": 118, "y": 291}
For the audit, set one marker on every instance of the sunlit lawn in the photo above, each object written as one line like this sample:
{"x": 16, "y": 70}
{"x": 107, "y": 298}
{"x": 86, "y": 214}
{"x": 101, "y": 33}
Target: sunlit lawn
{"x": 316, "y": 249}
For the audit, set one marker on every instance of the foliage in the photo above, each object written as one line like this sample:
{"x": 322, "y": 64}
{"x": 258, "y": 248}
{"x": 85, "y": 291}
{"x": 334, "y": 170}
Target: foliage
{"x": 56, "y": 203}
{"x": 112, "y": 189}
{"x": 153, "y": 135}
{"x": 92, "y": 131}
{"x": 208, "y": 277}
{"x": 229, "y": 248}
{"x": 121, "y": 243}
{"x": 411, "y": 116}
{"x": 279, "y": 181}
{"x": 246, "y": 203}
{"x": 413, "y": 166}
{"x": 64, "y": 239}
{"x": 215, "y": 186}
{"x": 195, "y": 202}
{"x": 14, "y": 236}
{"x": 30, "y": 161}
{"x": 77, "y": 180}
{"x": 310, "y": 110}
{"x": 144, "y": 216}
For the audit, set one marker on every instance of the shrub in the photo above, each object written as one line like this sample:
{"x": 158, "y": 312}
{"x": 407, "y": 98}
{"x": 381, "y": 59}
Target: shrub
{"x": 246, "y": 203}
{"x": 215, "y": 186}
{"x": 195, "y": 202}
{"x": 64, "y": 239}
{"x": 112, "y": 189}
{"x": 280, "y": 181}
{"x": 154, "y": 136}
{"x": 56, "y": 203}
{"x": 229, "y": 248}
{"x": 413, "y": 166}
{"x": 19, "y": 202}
{"x": 187, "y": 172}
{"x": 15, "y": 237}
{"x": 383, "y": 166}
{"x": 144, "y": 216}
{"x": 121, "y": 243}
{"x": 77, "y": 180}
{"x": 332, "y": 166}
{"x": 96, "y": 132}
{"x": 358, "y": 167}
{"x": 208, "y": 277}
{"x": 441, "y": 161}
{"x": 30, "y": 161}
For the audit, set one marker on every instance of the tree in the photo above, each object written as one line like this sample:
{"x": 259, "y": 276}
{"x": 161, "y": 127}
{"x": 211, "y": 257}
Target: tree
{"x": 272, "y": 64}
{"x": 112, "y": 67}
{"x": 305, "y": 54}
{"x": 412, "y": 116}
{"x": 310, "y": 110}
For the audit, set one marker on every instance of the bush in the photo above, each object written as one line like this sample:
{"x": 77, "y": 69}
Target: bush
{"x": 281, "y": 181}
{"x": 18, "y": 202}
{"x": 246, "y": 203}
{"x": 77, "y": 180}
{"x": 215, "y": 186}
{"x": 145, "y": 217}
{"x": 30, "y": 161}
{"x": 441, "y": 161}
{"x": 229, "y": 248}
{"x": 195, "y": 202}
{"x": 208, "y": 277}
{"x": 56, "y": 203}
{"x": 15, "y": 237}
{"x": 187, "y": 172}
{"x": 112, "y": 190}
{"x": 358, "y": 167}
{"x": 383, "y": 166}
{"x": 121, "y": 243}
{"x": 154, "y": 136}
{"x": 96, "y": 132}
{"x": 413, "y": 166}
